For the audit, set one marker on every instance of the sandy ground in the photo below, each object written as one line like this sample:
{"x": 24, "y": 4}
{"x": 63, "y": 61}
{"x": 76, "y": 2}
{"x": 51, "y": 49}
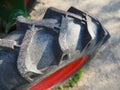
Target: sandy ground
{"x": 103, "y": 72}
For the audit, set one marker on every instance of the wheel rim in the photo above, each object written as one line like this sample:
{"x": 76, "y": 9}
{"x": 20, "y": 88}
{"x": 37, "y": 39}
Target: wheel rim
{"x": 60, "y": 75}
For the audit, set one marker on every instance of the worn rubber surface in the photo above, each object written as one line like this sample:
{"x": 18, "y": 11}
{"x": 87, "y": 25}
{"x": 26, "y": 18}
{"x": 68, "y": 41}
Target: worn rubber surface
{"x": 39, "y": 48}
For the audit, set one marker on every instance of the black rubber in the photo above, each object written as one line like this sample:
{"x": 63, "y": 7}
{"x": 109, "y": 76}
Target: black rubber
{"x": 38, "y": 48}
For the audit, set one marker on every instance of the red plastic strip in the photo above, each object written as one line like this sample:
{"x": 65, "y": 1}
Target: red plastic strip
{"x": 60, "y": 75}
{"x": 26, "y": 1}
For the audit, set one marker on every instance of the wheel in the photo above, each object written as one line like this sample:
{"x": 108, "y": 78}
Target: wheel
{"x": 49, "y": 52}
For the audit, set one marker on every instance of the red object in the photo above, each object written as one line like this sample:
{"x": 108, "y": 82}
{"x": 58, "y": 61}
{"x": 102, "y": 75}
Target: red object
{"x": 60, "y": 75}
{"x": 26, "y": 1}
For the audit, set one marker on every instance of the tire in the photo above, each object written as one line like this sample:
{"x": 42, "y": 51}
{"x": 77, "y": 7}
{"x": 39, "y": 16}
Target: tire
{"x": 59, "y": 45}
